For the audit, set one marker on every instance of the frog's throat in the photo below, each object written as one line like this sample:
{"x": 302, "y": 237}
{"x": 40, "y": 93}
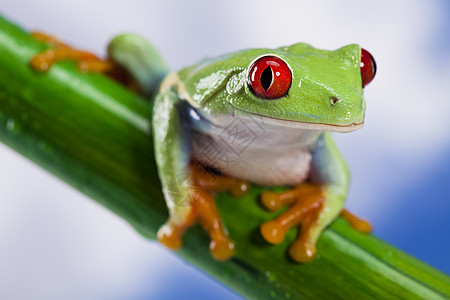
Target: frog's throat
{"x": 172, "y": 80}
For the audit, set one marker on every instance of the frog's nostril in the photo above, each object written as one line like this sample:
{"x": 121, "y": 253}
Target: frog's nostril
{"x": 334, "y": 100}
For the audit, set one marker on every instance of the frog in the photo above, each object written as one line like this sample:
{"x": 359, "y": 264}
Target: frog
{"x": 257, "y": 116}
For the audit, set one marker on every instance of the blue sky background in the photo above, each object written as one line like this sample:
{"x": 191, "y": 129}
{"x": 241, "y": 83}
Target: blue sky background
{"x": 57, "y": 244}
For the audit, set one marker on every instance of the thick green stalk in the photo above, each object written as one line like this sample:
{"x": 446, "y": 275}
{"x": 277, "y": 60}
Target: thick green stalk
{"x": 95, "y": 135}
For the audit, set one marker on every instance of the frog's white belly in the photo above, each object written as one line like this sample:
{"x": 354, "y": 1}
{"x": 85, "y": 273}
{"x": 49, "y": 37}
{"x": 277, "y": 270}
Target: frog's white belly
{"x": 260, "y": 153}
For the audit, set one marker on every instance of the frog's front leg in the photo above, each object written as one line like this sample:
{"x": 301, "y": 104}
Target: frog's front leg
{"x": 186, "y": 187}
{"x": 203, "y": 210}
{"x": 314, "y": 204}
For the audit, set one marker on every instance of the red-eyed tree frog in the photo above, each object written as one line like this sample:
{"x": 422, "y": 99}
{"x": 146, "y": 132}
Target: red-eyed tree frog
{"x": 260, "y": 116}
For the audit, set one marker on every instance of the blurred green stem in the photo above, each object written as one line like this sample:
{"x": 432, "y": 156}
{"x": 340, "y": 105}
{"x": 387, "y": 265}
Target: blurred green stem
{"x": 95, "y": 135}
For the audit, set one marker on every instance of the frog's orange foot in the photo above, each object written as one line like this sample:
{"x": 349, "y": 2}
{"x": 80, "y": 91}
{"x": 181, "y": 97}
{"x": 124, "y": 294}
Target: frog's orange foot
{"x": 204, "y": 211}
{"x": 356, "y": 222}
{"x": 306, "y": 202}
{"x": 170, "y": 234}
{"x": 87, "y": 62}
{"x": 211, "y": 182}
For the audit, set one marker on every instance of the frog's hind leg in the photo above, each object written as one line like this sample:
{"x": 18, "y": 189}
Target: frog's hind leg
{"x": 86, "y": 61}
{"x": 140, "y": 59}
{"x": 131, "y": 61}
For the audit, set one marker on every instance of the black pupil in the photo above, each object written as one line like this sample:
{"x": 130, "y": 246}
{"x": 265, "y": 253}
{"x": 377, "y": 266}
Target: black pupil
{"x": 374, "y": 65}
{"x": 266, "y": 78}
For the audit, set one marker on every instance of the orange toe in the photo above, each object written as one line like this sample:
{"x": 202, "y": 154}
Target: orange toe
{"x": 307, "y": 201}
{"x": 221, "y": 249}
{"x": 240, "y": 188}
{"x": 302, "y": 251}
{"x": 356, "y": 222}
{"x": 169, "y": 237}
{"x": 273, "y": 232}
{"x": 270, "y": 200}
{"x": 204, "y": 212}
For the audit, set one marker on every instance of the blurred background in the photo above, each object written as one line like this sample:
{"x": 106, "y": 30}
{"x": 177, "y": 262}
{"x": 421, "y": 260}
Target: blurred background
{"x": 57, "y": 244}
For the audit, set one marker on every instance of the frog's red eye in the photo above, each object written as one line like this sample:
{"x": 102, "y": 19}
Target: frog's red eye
{"x": 368, "y": 67}
{"x": 269, "y": 77}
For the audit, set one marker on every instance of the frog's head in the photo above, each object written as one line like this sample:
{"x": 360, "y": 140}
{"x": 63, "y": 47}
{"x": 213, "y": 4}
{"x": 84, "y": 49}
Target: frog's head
{"x": 296, "y": 86}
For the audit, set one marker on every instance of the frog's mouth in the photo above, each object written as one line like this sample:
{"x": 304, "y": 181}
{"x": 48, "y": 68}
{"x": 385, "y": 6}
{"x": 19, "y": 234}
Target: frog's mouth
{"x": 310, "y": 126}
{"x": 301, "y": 125}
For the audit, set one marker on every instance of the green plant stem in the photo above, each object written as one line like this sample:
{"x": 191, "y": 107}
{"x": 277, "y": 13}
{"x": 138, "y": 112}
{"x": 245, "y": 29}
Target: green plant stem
{"x": 95, "y": 135}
